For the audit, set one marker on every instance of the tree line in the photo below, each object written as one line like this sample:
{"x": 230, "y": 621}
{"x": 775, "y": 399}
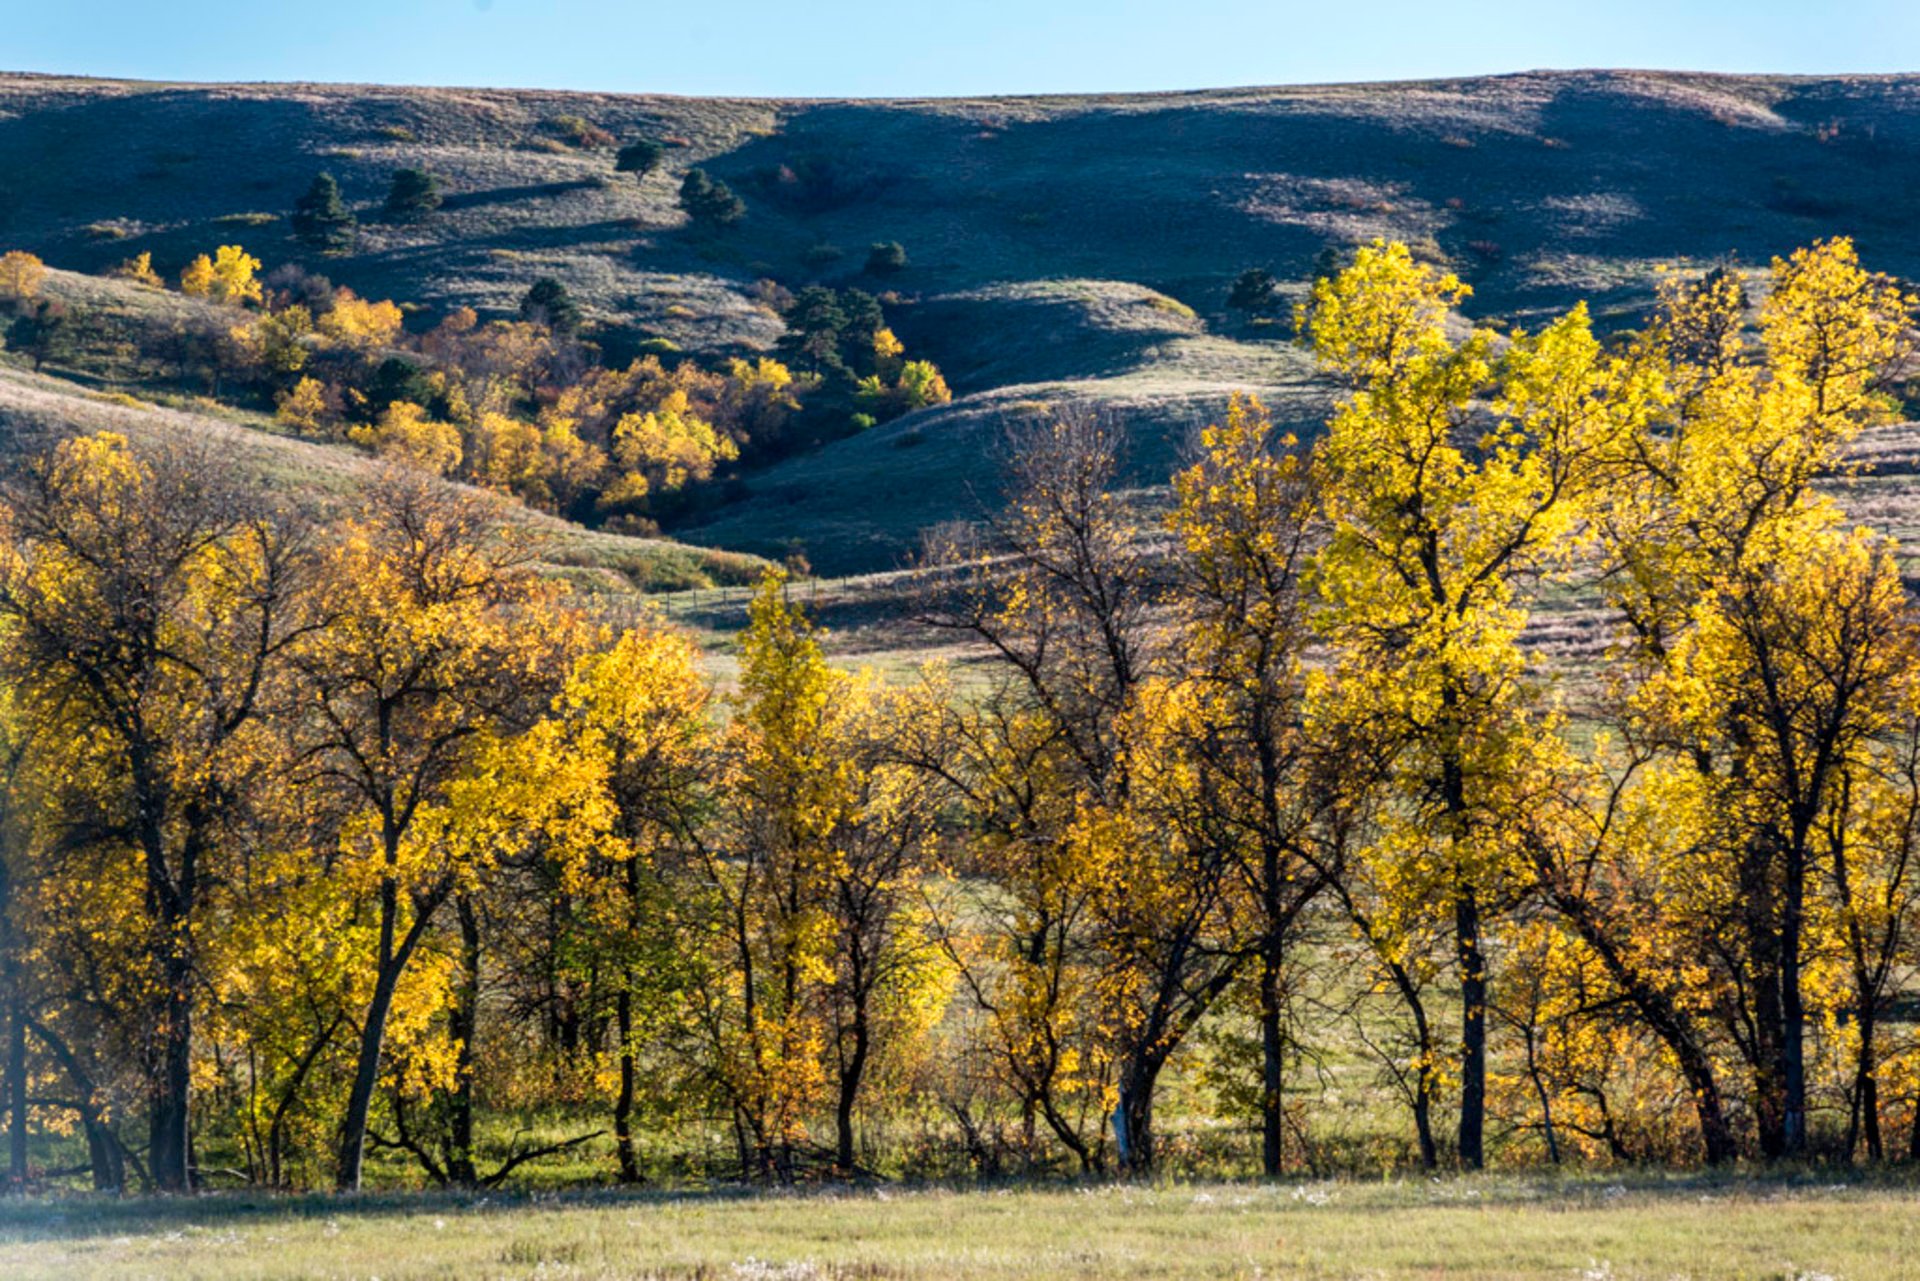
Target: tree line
{"x": 333, "y": 836}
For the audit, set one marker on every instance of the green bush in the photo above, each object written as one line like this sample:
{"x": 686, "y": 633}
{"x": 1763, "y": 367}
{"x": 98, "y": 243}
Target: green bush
{"x": 1255, "y": 292}
{"x": 886, "y": 258}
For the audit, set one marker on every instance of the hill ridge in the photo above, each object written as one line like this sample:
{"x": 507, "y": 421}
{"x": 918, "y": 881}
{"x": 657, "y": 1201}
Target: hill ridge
{"x": 1540, "y": 187}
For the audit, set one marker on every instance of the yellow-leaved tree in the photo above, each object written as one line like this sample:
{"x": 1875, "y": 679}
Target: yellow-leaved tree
{"x": 153, "y": 604}
{"x": 226, "y": 277}
{"x": 1767, "y": 644}
{"x": 1244, "y": 511}
{"x": 639, "y": 710}
{"x": 427, "y": 668}
{"x": 1452, "y": 475}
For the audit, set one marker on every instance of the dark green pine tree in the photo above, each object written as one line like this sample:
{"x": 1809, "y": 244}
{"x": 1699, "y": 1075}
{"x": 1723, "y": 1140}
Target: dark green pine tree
{"x": 708, "y": 201}
{"x": 322, "y": 220}
{"x": 548, "y": 303}
{"x": 641, "y": 156}
{"x": 414, "y": 194}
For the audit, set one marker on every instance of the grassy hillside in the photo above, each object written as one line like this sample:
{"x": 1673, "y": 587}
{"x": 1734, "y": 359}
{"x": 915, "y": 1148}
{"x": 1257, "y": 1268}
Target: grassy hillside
{"x": 1060, "y": 247}
{"x": 37, "y": 407}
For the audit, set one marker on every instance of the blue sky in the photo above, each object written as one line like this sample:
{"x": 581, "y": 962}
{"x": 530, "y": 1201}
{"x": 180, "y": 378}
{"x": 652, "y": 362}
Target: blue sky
{"x": 869, "y": 48}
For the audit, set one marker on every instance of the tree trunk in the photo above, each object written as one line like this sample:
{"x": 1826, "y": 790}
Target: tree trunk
{"x": 1473, "y": 1028}
{"x": 463, "y": 1023}
{"x": 852, "y": 1072}
{"x": 1133, "y": 1116}
{"x": 392, "y": 961}
{"x": 15, "y": 1091}
{"x": 1272, "y": 1054}
{"x": 1866, "y": 1095}
{"x": 1423, "y": 1119}
{"x": 1793, "y": 1017}
{"x": 373, "y": 1034}
{"x": 1767, "y": 1051}
{"x": 16, "y": 1084}
{"x": 103, "y": 1155}
{"x": 623, "y": 1105}
{"x": 168, "y": 1159}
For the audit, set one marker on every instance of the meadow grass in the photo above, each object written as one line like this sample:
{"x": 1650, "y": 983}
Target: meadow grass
{"x": 1493, "y": 1227}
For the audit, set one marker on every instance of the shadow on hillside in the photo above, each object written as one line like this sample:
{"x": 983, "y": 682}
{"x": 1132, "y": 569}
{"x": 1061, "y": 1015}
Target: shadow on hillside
{"x": 507, "y": 195}
{"x": 1493, "y": 173}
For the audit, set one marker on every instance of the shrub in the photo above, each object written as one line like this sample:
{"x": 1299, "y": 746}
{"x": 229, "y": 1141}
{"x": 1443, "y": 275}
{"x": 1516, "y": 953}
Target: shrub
{"x": 360, "y": 323}
{"x": 321, "y": 219}
{"x": 1254, "y": 291}
{"x": 771, "y": 294}
{"x": 886, "y": 258}
{"x": 405, "y": 432}
{"x": 708, "y": 201}
{"x": 21, "y": 275}
{"x": 549, "y": 303}
{"x": 414, "y": 194}
{"x": 577, "y": 131}
{"x": 921, "y": 385}
{"x": 43, "y": 331}
{"x": 1330, "y": 262}
{"x": 641, "y": 157}
{"x": 306, "y": 407}
{"x": 819, "y": 255}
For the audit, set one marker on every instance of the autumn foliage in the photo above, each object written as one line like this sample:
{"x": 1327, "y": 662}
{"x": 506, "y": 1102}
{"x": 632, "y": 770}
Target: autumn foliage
{"x": 327, "y": 843}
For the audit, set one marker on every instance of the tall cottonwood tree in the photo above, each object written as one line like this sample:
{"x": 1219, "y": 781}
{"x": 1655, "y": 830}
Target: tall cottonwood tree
{"x": 154, "y": 604}
{"x": 20, "y": 824}
{"x": 1062, "y": 591}
{"x": 432, "y": 647}
{"x": 1442, "y": 508}
{"x": 1244, "y": 513}
{"x": 1766, "y": 639}
{"x": 641, "y": 708}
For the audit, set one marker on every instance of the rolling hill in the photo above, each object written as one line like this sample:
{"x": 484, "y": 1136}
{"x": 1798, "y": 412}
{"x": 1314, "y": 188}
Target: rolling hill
{"x": 1060, "y": 248}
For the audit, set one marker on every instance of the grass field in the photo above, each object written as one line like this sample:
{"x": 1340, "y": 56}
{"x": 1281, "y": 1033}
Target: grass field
{"x": 1487, "y": 1228}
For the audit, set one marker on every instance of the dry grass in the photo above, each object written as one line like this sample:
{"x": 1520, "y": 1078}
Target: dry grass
{"x": 1486, "y": 1229}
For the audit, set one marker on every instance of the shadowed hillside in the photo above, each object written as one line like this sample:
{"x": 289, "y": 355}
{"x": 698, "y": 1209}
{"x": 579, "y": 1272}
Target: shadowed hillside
{"x": 1059, "y": 247}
